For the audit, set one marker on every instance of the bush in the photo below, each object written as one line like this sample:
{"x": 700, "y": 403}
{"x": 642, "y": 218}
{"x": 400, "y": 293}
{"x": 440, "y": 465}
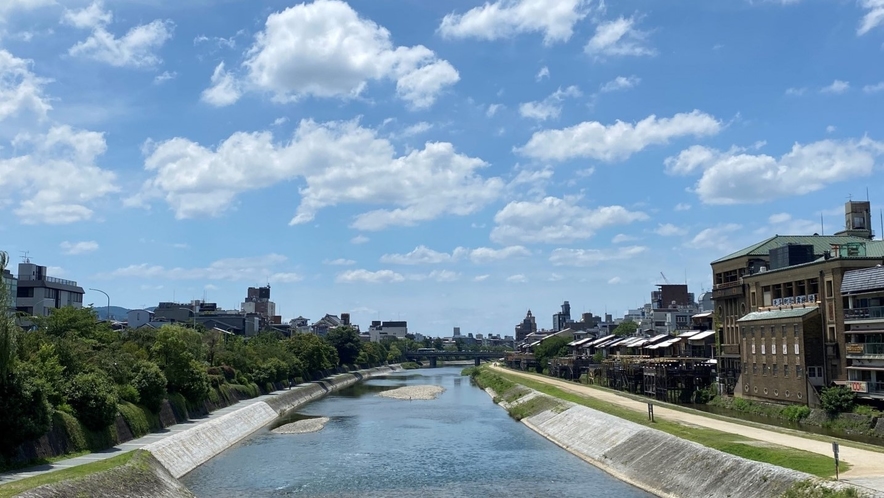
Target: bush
{"x": 25, "y": 413}
{"x": 135, "y": 419}
{"x": 94, "y": 399}
{"x": 189, "y": 379}
{"x": 128, "y": 393}
{"x": 838, "y": 399}
{"x": 796, "y": 413}
{"x": 150, "y": 382}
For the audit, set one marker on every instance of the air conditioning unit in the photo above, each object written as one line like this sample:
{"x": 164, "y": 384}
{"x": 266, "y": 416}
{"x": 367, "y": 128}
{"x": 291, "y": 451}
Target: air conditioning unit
{"x": 762, "y": 269}
{"x": 777, "y": 302}
{"x": 788, "y": 300}
{"x": 801, "y": 299}
{"x": 811, "y": 298}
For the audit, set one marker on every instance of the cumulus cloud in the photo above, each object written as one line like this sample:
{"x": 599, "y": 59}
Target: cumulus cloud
{"x": 874, "y": 16}
{"x": 719, "y": 238}
{"x": 836, "y": 87}
{"x": 339, "y": 262}
{"x": 622, "y": 237}
{"x": 370, "y": 277}
{"x": 738, "y": 177}
{"x": 543, "y": 73}
{"x": 359, "y": 239}
{"x": 550, "y": 107}
{"x": 340, "y": 162}
{"x": 83, "y": 247}
{"x": 554, "y": 220}
{"x": 618, "y": 37}
{"x": 224, "y": 90}
{"x": 325, "y": 49}
{"x": 669, "y": 230}
{"x": 9, "y": 6}
{"x": 620, "y": 83}
{"x": 261, "y": 268}
{"x": 592, "y": 257}
{"x": 508, "y": 18}
{"x": 874, "y": 88}
{"x": 20, "y": 89}
{"x": 618, "y": 141}
{"x": 424, "y": 255}
{"x": 57, "y": 179}
{"x": 518, "y": 278}
{"x": 137, "y": 48}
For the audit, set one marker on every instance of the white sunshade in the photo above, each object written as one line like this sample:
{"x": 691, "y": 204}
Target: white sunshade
{"x": 599, "y": 340}
{"x": 702, "y": 335}
{"x": 689, "y": 333}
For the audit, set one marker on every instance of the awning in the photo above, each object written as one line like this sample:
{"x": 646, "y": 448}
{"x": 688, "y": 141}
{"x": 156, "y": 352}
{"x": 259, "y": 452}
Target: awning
{"x": 658, "y": 338}
{"x": 665, "y": 344}
{"x": 599, "y": 341}
{"x": 615, "y": 342}
{"x": 702, "y": 335}
{"x": 632, "y": 340}
{"x": 638, "y": 344}
{"x": 690, "y": 333}
{"x": 879, "y": 369}
{"x": 581, "y": 342}
{"x": 704, "y": 314}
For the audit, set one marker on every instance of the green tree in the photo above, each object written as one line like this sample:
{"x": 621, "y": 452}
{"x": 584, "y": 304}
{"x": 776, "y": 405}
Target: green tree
{"x": 150, "y": 382}
{"x": 172, "y": 352}
{"x": 94, "y": 399}
{"x": 550, "y": 347}
{"x": 837, "y": 399}
{"x": 437, "y": 343}
{"x": 313, "y": 352}
{"x": 626, "y": 328}
{"x": 346, "y": 342}
{"x": 8, "y": 328}
{"x": 25, "y": 413}
{"x": 394, "y": 355}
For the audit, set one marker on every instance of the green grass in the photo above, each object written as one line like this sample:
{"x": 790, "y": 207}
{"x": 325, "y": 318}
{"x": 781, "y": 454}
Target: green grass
{"x": 790, "y": 458}
{"x": 810, "y": 489}
{"x": 13, "y": 488}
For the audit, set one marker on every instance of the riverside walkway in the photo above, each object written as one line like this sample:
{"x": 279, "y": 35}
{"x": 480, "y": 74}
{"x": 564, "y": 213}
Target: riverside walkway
{"x": 131, "y": 445}
{"x": 867, "y": 467}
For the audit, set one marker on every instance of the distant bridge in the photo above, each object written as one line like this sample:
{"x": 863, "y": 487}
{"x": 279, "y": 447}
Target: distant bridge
{"x": 433, "y": 356}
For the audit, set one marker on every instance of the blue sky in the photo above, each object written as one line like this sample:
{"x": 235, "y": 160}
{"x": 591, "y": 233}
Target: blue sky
{"x": 449, "y": 163}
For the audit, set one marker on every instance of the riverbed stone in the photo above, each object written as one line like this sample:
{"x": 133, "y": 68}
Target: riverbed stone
{"x": 413, "y": 392}
{"x": 302, "y": 426}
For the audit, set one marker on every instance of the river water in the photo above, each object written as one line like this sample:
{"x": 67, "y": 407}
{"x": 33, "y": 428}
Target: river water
{"x": 458, "y": 445}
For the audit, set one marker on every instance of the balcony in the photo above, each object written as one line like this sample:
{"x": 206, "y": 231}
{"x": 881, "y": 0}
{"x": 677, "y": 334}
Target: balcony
{"x": 864, "y": 314}
{"x": 730, "y": 350}
{"x": 729, "y": 289}
{"x": 871, "y": 350}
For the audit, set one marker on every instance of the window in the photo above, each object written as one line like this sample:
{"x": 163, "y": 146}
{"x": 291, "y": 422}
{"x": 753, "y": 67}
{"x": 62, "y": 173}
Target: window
{"x": 753, "y": 346}
{"x": 763, "y": 369}
{"x": 755, "y": 369}
{"x": 774, "y": 366}
{"x": 752, "y": 297}
{"x": 762, "y": 348}
{"x": 25, "y": 292}
{"x": 773, "y": 345}
{"x": 796, "y": 348}
{"x": 785, "y": 370}
{"x": 829, "y": 287}
{"x": 785, "y": 349}
{"x": 795, "y": 329}
{"x": 784, "y": 331}
{"x": 798, "y": 371}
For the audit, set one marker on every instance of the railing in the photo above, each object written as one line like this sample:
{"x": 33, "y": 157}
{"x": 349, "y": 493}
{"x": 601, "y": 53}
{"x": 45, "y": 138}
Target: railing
{"x": 862, "y": 349}
{"x": 876, "y": 388}
{"x": 726, "y": 285}
{"x": 870, "y": 313}
{"x": 730, "y": 349}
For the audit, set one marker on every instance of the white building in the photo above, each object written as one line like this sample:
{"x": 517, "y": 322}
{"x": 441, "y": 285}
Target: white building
{"x": 139, "y": 318}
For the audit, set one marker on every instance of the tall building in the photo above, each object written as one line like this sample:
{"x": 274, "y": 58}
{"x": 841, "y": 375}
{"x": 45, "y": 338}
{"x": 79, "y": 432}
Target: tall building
{"x": 37, "y": 293}
{"x": 11, "y": 284}
{"x": 258, "y": 302}
{"x": 379, "y": 330}
{"x": 669, "y": 295}
{"x": 456, "y": 332}
{"x": 528, "y": 326}
{"x": 863, "y": 291}
{"x": 561, "y": 319}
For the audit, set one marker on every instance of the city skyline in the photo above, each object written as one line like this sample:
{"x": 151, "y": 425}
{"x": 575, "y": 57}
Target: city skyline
{"x": 446, "y": 164}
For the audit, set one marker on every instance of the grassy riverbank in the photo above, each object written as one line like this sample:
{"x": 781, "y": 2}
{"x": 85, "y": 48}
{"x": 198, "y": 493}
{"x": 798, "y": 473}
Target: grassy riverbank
{"x": 507, "y": 387}
{"x": 16, "y": 487}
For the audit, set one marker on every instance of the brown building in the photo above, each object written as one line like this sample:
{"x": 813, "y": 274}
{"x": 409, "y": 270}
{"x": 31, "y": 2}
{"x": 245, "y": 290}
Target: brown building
{"x": 862, "y": 293}
{"x": 782, "y": 355}
{"x": 528, "y": 326}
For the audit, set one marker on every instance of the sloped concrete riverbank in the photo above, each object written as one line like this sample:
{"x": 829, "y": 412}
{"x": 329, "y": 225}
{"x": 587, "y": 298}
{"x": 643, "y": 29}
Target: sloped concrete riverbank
{"x": 652, "y": 460}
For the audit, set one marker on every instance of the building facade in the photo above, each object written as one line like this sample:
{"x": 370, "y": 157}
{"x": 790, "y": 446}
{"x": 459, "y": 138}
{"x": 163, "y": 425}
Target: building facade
{"x": 563, "y": 318}
{"x": 379, "y": 330}
{"x": 37, "y": 293}
{"x": 527, "y": 327}
{"x": 11, "y": 285}
{"x": 862, "y": 295}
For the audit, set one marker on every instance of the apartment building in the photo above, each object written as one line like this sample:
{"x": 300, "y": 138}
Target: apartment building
{"x": 37, "y": 293}
{"x": 862, "y": 295}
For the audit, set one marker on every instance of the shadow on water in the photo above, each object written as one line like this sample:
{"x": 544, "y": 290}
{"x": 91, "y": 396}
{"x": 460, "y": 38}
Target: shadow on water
{"x": 726, "y": 412}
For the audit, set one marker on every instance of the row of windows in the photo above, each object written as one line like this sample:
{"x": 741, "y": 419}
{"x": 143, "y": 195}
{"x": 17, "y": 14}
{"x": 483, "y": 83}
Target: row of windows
{"x": 43, "y": 292}
{"x": 773, "y": 330}
{"x": 774, "y": 369}
{"x": 773, "y": 348}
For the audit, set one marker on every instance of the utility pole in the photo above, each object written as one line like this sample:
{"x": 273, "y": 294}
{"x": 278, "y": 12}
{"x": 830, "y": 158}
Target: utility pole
{"x": 108, "y": 317}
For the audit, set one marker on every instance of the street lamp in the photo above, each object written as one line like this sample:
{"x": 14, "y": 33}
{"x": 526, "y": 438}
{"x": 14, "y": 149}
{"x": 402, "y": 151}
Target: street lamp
{"x": 108, "y": 317}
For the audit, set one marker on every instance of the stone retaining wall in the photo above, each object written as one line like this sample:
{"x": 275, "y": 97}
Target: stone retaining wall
{"x": 653, "y": 460}
{"x": 189, "y": 449}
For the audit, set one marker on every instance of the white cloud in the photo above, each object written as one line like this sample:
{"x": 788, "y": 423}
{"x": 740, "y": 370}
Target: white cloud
{"x": 836, "y": 87}
{"x": 830, "y": 129}
{"x": 622, "y": 237}
{"x": 340, "y": 162}
{"x": 231, "y": 269}
{"x": 9, "y": 6}
{"x": 371, "y": 277}
{"x": 518, "y": 278}
{"x": 592, "y": 257}
{"x": 359, "y": 239}
{"x": 415, "y": 129}
{"x": 493, "y": 108}
{"x": 618, "y": 141}
{"x": 508, "y": 18}
{"x": 436, "y": 275}
{"x": 224, "y": 90}
{"x": 137, "y": 48}
{"x": 280, "y": 121}
{"x": 543, "y": 73}
{"x": 874, "y": 88}
{"x": 549, "y": 107}
{"x": 79, "y": 247}
{"x": 339, "y": 262}
{"x": 796, "y": 92}
{"x": 89, "y": 17}
{"x": 554, "y": 220}
{"x": 618, "y": 38}
{"x": 614, "y": 280}
{"x": 681, "y": 206}
{"x": 669, "y": 230}
{"x": 57, "y": 180}
{"x": 164, "y": 77}
{"x": 785, "y": 224}
{"x": 20, "y": 89}
{"x": 424, "y": 255}
{"x": 719, "y": 238}
{"x": 735, "y": 177}
{"x": 325, "y": 49}
{"x": 480, "y": 278}
{"x": 620, "y": 83}
{"x": 874, "y": 16}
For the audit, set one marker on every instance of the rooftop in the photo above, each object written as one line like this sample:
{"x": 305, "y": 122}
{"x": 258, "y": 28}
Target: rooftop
{"x": 863, "y": 280}
{"x": 820, "y": 243}
{"x": 777, "y": 314}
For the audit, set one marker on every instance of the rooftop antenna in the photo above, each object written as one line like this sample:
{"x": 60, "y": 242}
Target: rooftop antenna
{"x": 822, "y": 227}
{"x": 24, "y": 257}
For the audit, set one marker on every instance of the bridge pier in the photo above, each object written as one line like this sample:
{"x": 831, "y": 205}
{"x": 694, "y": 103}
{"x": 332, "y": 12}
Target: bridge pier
{"x": 478, "y": 361}
{"x": 432, "y": 362}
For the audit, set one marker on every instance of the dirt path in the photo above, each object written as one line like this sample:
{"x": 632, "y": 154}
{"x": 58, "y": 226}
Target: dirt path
{"x": 867, "y": 467}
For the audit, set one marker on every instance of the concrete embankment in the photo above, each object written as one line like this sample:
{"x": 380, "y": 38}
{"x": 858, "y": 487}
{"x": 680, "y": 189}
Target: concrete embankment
{"x": 187, "y": 450}
{"x": 650, "y": 459}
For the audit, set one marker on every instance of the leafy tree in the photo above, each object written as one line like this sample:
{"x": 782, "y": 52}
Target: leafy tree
{"x": 150, "y": 382}
{"x": 314, "y": 353}
{"x": 172, "y": 352}
{"x": 81, "y": 323}
{"x": 626, "y": 328}
{"x": 94, "y": 399}
{"x": 838, "y": 399}
{"x": 8, "y": 328}
{"x": 25, "y": 413}
{"x": 437, "y": 343}
{"x": 347, "y": 343}
{"x": 394, "y": 355}
{"x": 549, "y": 348}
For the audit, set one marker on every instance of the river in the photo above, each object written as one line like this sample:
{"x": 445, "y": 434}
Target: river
{"x": 458, "y": 445}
